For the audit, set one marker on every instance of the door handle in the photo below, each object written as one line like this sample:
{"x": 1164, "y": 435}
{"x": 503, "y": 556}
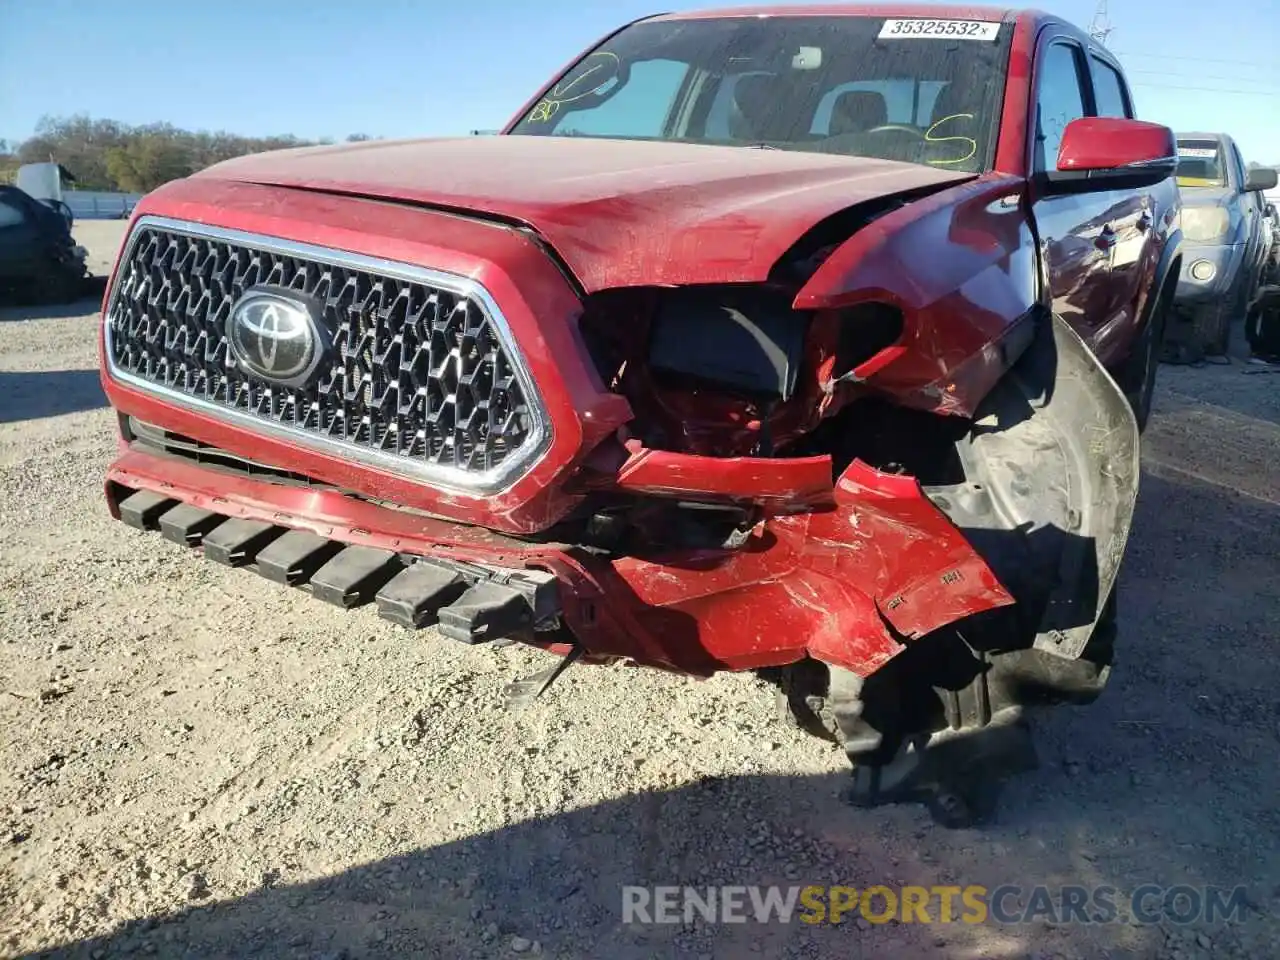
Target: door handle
{"x": 1106, "y": 239}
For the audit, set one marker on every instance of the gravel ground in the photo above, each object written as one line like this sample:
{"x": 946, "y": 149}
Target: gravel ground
{"x": 198, "y": 763}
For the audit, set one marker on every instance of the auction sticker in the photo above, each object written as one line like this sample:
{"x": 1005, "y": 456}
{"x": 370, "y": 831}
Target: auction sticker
{"x": 1200, "y": 153}
{"x": 939, "y": 30}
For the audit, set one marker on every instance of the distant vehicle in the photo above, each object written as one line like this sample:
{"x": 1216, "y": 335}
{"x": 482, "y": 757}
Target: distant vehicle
{"x": 1222, "y": 232}
{"x": 39, "y": 261}
{"x": 1271, "y": 221}
{"x": 60, "y": 207}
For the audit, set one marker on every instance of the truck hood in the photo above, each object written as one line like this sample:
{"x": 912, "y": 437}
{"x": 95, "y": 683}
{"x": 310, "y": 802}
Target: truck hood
{"x": 618, "y": 212}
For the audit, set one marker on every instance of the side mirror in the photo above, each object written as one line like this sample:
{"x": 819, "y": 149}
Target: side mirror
{"x": 1108, "y": 153}
{"x": 1260, "y": 179}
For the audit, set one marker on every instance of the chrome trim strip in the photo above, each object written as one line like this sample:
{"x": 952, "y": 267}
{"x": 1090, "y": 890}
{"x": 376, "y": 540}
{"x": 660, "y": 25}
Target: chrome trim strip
{"x": 1153, "y": 162}
{"x": 451, "y": 479}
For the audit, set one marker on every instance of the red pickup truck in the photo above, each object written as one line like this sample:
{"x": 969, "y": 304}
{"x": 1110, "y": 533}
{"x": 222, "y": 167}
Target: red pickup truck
{"x": 814, "y": 341}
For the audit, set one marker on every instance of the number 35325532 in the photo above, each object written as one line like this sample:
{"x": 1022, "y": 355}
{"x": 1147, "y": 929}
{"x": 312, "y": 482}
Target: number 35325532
{"x": 939, "y": 30}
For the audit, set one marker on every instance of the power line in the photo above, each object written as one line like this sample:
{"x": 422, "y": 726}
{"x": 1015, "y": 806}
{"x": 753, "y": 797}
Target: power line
{"x": 1198, "y": 76}
{"x": 1165, "y": 56}
{"x": 1173, "y": 86}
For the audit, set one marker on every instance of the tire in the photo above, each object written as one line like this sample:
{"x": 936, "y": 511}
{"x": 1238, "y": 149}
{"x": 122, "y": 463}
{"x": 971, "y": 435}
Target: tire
{"x": 60, "y": 284}
{"x": 896, "y": 736}
{"x": 1211, "y": 324}
{"x": 943, "y": 723}
{"x": 1137, "y": 378}
{"x": 1213, "y": 321}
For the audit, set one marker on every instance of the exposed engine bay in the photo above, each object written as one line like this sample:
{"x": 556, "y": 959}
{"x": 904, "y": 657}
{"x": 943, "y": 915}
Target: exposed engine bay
{"x": 731, "y": 371}
{"x": 736, "y": 370}
{"x": 1041, "y": 478}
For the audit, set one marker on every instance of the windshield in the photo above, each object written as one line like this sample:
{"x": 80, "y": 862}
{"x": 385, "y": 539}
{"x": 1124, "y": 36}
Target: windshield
{"x": 1200, "y": 164}
{"x": 921, "y": 91}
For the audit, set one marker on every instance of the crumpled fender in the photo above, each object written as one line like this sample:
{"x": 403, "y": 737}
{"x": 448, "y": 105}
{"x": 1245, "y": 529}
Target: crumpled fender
{"x": 1052, "y": 466}
{"x": 849, "y": 585}
{"x": 1040, "y": 525}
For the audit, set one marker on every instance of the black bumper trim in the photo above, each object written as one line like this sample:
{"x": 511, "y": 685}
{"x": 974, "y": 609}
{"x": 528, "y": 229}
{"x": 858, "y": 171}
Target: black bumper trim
{"x": 142, "y": 509}
{"x": 470, "y": 602}
{"x": 351, "y": 578}
{"x": 294, "y": 557}
{"x": 413, "y": 598}
{"x": 238, "y": 542}
{"x": 188, "y": 525}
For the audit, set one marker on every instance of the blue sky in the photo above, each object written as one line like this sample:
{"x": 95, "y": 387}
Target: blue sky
{"x": 435, "y": 67}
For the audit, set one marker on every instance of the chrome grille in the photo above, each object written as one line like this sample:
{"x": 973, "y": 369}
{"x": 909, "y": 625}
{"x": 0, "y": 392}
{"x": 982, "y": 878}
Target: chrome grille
{"x": 422, "y": 376}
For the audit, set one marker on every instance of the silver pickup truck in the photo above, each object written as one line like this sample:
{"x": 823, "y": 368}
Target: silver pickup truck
{"x": 1224, "y": 244}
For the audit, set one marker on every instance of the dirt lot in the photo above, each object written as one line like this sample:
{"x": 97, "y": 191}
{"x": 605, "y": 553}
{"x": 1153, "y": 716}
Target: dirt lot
{"x": 198, "y": 763}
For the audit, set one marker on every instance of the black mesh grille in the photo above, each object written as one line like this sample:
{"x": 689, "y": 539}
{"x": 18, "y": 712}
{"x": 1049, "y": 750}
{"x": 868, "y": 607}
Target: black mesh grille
{"x": 416, "y": 371}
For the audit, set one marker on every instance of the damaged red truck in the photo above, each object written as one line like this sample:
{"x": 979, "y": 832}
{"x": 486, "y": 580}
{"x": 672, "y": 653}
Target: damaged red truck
{"x": 814, "y": 341}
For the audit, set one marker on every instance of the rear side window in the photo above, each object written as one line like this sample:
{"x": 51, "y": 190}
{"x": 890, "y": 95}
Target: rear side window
{"x": 1059, "y": 100}
{"x": 10, "y": 216}
{"x": 1109, "y": 93}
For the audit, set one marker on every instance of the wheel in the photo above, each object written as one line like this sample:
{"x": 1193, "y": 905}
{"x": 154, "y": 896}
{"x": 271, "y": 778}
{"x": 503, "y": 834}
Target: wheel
{"x": 927, "y": 728}
{"x": 59, "y": 284}
{"x": 1137, "y": 378}
{"x": 1211, "y": 323}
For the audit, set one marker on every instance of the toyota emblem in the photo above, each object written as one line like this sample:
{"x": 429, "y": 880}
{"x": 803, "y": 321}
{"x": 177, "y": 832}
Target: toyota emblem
{"x": 275, "y": 337}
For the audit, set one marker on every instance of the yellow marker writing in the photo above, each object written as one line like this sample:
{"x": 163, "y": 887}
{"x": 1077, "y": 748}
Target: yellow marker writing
{"x": 543, "y": 111}
{"x": 930, "y": 138}
{"x": 560, "y": 94}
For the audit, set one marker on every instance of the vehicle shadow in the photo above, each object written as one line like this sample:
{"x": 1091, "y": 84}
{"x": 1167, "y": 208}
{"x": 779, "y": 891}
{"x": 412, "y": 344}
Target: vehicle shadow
{"x": 1168, "y": 779}
{"x": 89, "y": 301}
{"x": 31, "y": 395}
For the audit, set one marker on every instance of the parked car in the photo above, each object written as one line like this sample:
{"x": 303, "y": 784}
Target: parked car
{"x": 61, "y": 209}
{"x": 1271, "y": 223}
{"x": 39, "y": 260}
{"x": 816, "y": 344}
{"x": 1222, "y": 228}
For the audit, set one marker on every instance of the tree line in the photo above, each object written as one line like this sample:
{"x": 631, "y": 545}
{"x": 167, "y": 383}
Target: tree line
{"x": 109, "y": 155}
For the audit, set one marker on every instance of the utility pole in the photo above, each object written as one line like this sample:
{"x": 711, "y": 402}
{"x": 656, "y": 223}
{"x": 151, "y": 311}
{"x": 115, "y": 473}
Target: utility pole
{"x": 1100, "y": 29}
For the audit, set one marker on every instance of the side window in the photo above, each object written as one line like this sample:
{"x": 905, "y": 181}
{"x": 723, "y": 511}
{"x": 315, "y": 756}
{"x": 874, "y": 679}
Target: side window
{"x": 10, "y": 216}
{"x": 1237, "y": 161}
{"x": 1059, "y": 100}
{"x": 1109, "y": 91}
{"x": 639, "y": 109}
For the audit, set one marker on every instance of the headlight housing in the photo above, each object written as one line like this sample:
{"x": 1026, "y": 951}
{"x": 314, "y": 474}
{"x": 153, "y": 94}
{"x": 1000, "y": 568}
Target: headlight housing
{"x": 1204, "y": 224}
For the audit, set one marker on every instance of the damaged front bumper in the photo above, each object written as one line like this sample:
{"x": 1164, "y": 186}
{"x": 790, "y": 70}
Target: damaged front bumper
{"x": 847, "y": 584}
{"x": 850, "y": 579}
